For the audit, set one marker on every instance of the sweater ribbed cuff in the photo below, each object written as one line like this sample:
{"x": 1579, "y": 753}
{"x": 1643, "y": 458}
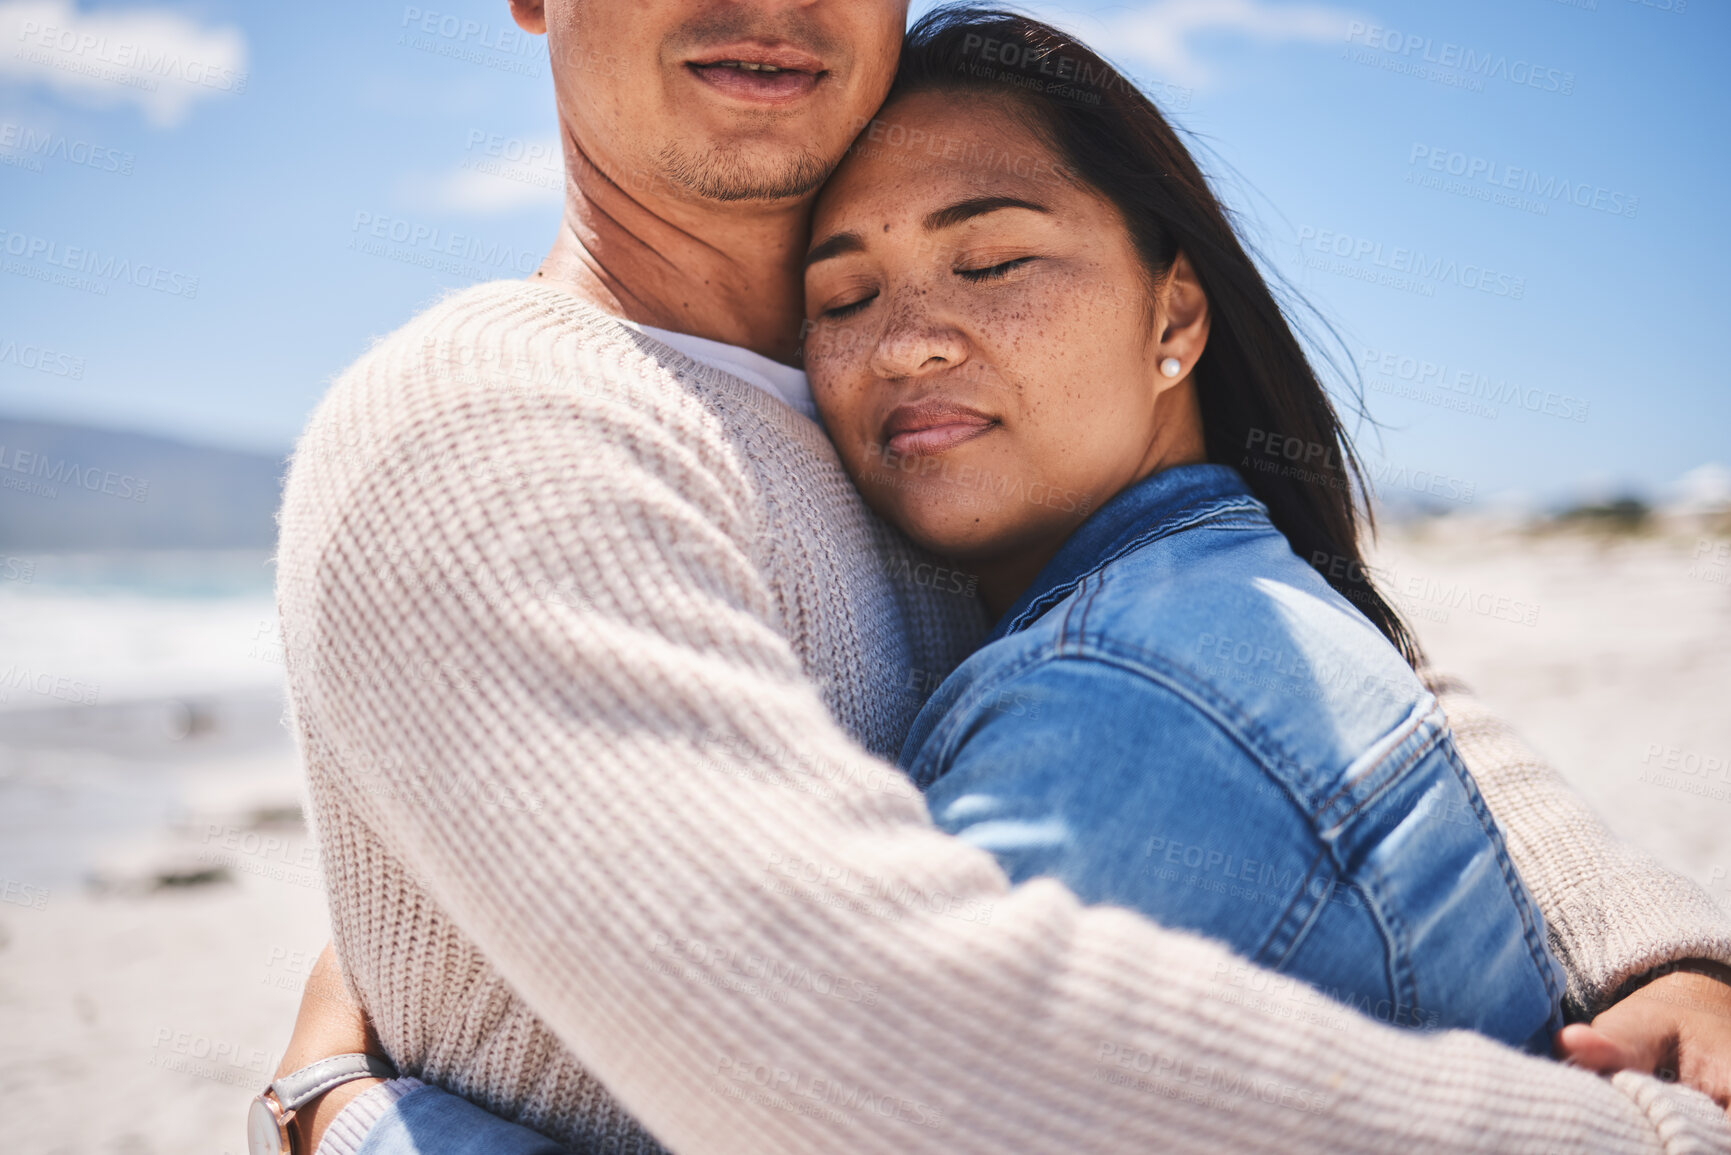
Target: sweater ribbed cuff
{"x": 1611, "y": 950}
{"x": 349, "y": 1129}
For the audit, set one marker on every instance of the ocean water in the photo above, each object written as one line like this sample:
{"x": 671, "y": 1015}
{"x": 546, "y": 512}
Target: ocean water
{"x": 129, "y": 685}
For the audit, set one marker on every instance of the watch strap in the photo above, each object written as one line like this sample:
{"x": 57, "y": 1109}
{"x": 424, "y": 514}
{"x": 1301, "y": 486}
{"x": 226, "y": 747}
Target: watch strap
{"x": 300, "y": 1087}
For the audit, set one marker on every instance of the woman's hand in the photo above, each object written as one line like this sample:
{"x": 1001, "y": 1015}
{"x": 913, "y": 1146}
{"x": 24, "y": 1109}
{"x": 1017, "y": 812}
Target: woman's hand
{"x": 330, "y": 1022}
{"x": 1676, "y": 1026}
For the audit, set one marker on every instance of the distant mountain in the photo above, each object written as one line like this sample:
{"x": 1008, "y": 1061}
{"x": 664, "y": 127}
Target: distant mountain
{"x": 71, "y": 487}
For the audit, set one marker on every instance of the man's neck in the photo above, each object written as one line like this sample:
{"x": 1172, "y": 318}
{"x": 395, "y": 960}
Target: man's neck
{"x": 731, "y": 273}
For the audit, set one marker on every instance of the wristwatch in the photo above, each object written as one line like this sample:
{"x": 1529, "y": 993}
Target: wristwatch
{"x": 267, "y": 1123}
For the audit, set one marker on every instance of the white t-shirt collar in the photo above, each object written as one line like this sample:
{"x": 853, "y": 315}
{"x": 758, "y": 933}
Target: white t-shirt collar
{"x": 778, "y": 380}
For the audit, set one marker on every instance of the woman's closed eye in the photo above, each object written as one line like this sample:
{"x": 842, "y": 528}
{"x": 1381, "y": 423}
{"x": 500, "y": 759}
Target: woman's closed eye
{"x": 993, "y": 272}
{"x": 843, "y": 312}
{"x": 977, "y": 275}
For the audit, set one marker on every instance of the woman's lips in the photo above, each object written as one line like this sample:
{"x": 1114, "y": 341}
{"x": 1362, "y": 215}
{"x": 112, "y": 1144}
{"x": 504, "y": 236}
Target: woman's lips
{"x": 922, "y": 430}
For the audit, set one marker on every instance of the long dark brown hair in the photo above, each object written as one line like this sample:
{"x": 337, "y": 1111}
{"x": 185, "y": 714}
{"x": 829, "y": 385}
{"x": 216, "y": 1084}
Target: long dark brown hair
{"x": 1259, "y": 394}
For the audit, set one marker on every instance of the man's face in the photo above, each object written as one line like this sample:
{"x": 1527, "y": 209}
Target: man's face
{"x": 720, "y": 100}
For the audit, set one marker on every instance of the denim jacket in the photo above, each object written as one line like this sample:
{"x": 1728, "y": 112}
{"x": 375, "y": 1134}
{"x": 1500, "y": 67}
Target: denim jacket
{"x": 1182, "y": 717}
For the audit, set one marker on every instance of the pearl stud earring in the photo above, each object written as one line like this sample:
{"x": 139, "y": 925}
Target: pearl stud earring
{"x": 1171, "y": 367}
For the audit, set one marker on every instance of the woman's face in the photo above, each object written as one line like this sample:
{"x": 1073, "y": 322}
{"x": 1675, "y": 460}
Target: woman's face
{"x": 982, "y": 340}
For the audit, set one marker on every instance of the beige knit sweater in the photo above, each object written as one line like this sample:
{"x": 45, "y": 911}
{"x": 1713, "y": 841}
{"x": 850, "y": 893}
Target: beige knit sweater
{"x": 591, "y": 649}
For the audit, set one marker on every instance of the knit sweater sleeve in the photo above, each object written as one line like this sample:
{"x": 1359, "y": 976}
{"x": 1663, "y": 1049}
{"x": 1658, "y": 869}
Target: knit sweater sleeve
{"x": 660, "y": 723}
{"x": 1613, "y": 912}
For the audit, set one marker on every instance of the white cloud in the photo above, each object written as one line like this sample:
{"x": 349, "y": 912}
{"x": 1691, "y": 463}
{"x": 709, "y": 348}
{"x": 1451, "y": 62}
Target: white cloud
{"x": 496, "y": 178}
{"x": 1161, "y": 34}
{"x": 498, "y": 175}
{"x": 159, "y": 60}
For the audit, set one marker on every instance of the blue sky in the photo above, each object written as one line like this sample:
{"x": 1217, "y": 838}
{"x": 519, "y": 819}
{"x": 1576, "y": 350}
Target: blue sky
{"x": 1511, "y": 209}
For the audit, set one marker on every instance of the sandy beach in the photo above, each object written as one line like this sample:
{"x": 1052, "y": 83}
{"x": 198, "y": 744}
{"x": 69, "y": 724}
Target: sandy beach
{"x": 162, "y": 900}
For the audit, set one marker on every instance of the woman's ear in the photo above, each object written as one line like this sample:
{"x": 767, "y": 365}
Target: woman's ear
{"x": 1183, "y": 317}
{"x": 530, "y": 15}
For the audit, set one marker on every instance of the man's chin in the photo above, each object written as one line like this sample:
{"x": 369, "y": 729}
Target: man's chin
{"x": 746, "y": 173}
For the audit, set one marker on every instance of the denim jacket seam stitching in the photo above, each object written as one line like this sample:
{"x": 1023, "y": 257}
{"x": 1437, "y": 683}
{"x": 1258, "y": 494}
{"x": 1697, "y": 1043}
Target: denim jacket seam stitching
{"x": 1396, "y": 934}
{"x": 1402, "y": 982}
{"x": 1076, "y": 599}
{"x": 1305, "y": 923}
{"x": 1085, "y": 599}
{"x": 1532, "y": 925}
{"x": 1380, "y": 767}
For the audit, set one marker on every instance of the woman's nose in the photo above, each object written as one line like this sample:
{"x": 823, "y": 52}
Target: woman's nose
{"x": 914, "y": 345}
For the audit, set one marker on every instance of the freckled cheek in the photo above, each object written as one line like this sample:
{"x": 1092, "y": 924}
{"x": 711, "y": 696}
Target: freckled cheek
{"x": 841, "y": 388}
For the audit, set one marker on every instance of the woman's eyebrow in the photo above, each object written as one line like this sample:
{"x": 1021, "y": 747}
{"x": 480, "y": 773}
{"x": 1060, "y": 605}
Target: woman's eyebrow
{"x": 834, "y": 246}
{"x": 953, "y": 215}
{"x": 945, "y": 218}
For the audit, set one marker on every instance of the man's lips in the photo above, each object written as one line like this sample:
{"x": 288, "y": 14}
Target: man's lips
{"x": 764, "y": 74}
{"x": 929, "y": 427}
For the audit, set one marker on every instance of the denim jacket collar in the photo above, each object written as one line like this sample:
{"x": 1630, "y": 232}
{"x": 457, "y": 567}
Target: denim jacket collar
{"x": 1167, "y": 501}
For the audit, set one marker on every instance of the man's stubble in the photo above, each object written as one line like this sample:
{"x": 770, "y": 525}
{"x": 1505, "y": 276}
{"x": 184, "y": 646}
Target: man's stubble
{"x": 721, "y": 175}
